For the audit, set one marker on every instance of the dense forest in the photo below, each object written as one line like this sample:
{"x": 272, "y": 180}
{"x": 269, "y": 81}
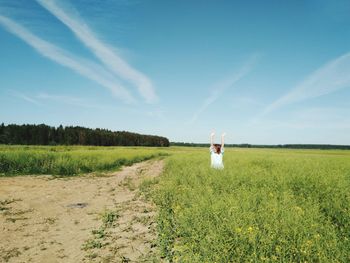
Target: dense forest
{"x": 46, "y": 135}
{"x": 287, "y": 146}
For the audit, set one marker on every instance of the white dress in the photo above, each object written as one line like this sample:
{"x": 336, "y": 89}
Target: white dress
{"x": 216, "y": 159}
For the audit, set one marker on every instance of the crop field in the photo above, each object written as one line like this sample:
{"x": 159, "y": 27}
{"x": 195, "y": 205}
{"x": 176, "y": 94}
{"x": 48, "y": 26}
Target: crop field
{"x": 69, "y": 160}
{"x": 267, "y": 205}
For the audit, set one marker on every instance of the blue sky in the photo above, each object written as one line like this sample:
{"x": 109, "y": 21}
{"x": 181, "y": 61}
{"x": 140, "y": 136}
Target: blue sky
{"x": 264, "y": 72}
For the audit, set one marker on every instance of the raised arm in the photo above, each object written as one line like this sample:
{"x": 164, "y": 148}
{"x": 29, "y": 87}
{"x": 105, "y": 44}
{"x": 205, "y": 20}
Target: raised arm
{"x": 212, "y": 138}
{"x": 223, "y": 140}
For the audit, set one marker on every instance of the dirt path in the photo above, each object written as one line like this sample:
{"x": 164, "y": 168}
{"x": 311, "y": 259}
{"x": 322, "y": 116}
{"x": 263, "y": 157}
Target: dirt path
{"x": 78, "y": 219}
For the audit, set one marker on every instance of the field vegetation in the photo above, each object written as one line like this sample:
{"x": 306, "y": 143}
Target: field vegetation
{"x": 265, "y": 206}
{"x": 70, "y": 160}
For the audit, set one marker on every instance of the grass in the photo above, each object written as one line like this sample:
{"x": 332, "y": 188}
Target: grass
{"x": 266, "y": 205}
{"x": 70, "y": 160}
{"x": 108, "y": 218}
{"x": 92, "y": 243}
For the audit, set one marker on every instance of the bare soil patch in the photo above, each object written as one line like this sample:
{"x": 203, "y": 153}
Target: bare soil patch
{"x": 79, "y": 219}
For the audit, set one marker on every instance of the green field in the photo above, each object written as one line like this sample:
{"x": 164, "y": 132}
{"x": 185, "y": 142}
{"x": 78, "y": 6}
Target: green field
{"x": 267, "y": 205}
{"x": 70, "y": 160}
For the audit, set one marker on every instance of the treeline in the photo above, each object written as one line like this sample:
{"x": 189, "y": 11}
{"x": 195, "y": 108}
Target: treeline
{"x": 42, "y": 134}
{"x": 287, "y": 146}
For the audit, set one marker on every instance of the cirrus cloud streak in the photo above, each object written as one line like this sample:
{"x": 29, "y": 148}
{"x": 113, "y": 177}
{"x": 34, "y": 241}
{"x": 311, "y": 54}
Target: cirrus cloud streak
{"x": 84, "y": 67}
{"x": 101, "y": 50}
{"x": 327, "y": 79}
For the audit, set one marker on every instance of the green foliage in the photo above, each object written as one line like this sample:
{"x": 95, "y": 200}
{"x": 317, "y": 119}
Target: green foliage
{"x": 100, "y": 233}
{"x": 70, "y": 160}
{"x": 45, "y": 135}
{"x": 266, "y": 205}
{"x": 92, "y": 243}
{"x": 147, "y": 186}
{"x": 109, "y": 217}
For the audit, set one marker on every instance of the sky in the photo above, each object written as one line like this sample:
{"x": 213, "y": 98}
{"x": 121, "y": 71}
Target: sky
{"x": 264, "y": 72}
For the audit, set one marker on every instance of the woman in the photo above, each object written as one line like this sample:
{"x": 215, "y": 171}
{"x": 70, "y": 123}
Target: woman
{"x": 216, "y": 152}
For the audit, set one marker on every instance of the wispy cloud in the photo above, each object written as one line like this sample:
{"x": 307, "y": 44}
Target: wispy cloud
{"x": 24, "y": 97}
{"x": 46, "y": 99}
{"x": 218, "y": 89}
{"x": 157, "y": 114}
{"x": 325, "y": 125}
{"x": 69, "y": 100}
{"x": 332, "y": 76}
{"x": 320, "y": 118}
{"x": 102, "y": 51}
{"x": 246, "y": 102}
{"x": 83, "y": 67}
{"x": 41, "y": 99}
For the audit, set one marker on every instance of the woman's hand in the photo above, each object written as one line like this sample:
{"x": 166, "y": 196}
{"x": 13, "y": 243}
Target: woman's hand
{"x": 223, "y": 139}
{"x": 211, "y": 138}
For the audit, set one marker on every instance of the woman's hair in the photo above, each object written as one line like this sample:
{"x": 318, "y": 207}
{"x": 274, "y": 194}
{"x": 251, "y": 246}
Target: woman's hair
{"x": 217, "y": 148}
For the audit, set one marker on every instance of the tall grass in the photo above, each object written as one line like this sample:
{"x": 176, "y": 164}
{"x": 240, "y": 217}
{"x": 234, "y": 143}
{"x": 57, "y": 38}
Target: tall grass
{"x": 266, "y": 205}
{"x": 70, "y": 160}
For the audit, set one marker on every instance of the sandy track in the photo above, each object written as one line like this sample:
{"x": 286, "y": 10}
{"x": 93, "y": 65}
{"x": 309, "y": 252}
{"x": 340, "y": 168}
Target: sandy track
{"x": 44, "y": 219}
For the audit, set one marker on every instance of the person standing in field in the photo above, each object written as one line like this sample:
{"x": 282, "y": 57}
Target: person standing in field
{"x": 216, "y": 152}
